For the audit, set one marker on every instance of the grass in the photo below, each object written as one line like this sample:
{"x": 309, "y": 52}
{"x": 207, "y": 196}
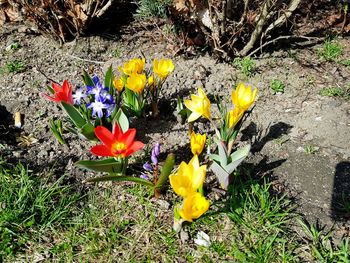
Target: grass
{"x": 321, "y": 245}
{"x": 152, "y": 8}
{"x": 277, "y": 86}
{"x": 121, "y": 222}
{"x": 29, "y": 205}
{"x": 310, "y": 149}
{"x": 335, "y": 92}
{"x": 331, "y": 50}
{"x": 246, "y": 65}
{"x": 13, "y": 67}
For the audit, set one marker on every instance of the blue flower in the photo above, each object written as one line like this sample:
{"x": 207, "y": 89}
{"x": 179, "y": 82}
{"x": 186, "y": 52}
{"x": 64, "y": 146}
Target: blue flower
{"x": 97, "y": 88}
{"x": 78, "y": 95}
{"x": 97, "y": 107}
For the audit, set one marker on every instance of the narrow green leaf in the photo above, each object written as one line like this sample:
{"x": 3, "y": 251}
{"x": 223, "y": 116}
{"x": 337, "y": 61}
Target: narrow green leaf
{"x": 109, "y": 165}
{"x": 121, "y": 178}
{"x": 165, "y": 172}
{"x": 87, "y": 79}
{"x": 109, "y": 78}
{"x": 74, "y": 114}
{"x": 55, "y": 129}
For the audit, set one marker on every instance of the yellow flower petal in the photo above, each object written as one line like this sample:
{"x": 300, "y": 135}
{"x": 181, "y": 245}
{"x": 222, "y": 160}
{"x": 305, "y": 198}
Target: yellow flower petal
{"x": 193, "y": 207}
{"x": 189, "y": 177}
{"x": 136, "y": 82}
{"x": 197, "y": 142}
{"x": 243, "y": 96}
{"x": 163, "y": 67}
{"x": 199, "y": 105}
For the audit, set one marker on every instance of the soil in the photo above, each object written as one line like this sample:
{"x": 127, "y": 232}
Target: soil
{"x": 280, "y": 127}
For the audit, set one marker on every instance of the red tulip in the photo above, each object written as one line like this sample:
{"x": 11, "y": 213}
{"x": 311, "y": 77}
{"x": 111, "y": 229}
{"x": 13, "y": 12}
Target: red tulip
{"x": 116, "y": 144}
{"x": 63, "y": 93}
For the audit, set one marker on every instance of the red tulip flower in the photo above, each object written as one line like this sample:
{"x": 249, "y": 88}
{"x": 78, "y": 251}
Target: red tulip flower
{"x": 116, "y": 144}
{"x": 63, "y": 93}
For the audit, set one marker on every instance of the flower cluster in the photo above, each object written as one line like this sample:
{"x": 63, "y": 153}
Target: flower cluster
{"x": 187, "y": 182}
{"x": 139, "y": 85}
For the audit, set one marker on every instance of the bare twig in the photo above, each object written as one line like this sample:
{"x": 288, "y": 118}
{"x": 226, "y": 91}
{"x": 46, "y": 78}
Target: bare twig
{"x": 258, "y": 29}
{"x": 310, "y": 40}
{"x": 282, "y": 19}
{"x": 38, "y": 68}
{"x": 86, "y": 60}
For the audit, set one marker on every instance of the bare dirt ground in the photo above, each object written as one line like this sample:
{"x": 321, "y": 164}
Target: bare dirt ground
{"x": 280, "y": 128}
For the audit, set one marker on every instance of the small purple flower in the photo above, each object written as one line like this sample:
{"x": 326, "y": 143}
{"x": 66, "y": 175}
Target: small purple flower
{"x": 154, "y": 158}
{"x": 157, "y": 149}
{"x": 147, "y": 167}
{"x": 144, "y": 176}
{"x": 155, "y": 153}
{"x": 78, "y": 96}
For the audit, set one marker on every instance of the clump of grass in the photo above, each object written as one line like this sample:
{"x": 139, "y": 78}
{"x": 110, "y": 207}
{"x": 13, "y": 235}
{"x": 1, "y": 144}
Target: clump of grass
{"x": 13, "y": 67}
{"x": 29, "y": 205}
{"x": 277, "y": 86}
{"x": 261, "y": 223}
{"x": 335, "y": 92}
{"x": 310, "y": 149}
{"x": 330, "y": 51}
{"x": 153, "y": 8}
{"x": 322, "y": 248}
{"x": 246, "y": 65}
{"x": 345, "y": 62}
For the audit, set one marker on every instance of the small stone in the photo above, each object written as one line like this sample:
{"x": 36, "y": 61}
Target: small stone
{"x": 184, "y": 236}
{"x": 163, "y": 204}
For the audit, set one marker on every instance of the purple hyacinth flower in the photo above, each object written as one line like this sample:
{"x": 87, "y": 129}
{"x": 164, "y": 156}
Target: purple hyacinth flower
{"x": 157, "y": 149}
{"x": 144, "y": 176}
{"x": 97, "y": 88}
{"x": 147, "y": 167}
{"x": 154, "y": 157}
{"x": 78, "y": 95}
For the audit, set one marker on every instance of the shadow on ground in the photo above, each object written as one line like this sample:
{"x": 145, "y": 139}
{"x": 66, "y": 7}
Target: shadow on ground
{"x": 340, "y": 205}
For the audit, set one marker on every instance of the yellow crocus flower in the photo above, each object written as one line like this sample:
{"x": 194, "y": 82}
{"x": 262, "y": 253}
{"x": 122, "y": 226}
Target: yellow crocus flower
{"x": 163, "y": 67}
{"x": 136, "y": 82}
{"x": 188, "y": 178}
{"x": 199, "y": 105}
{"x": 193, "y": 207}
{"x": 118, "y": 84}
{"x": 243, "y": 96}
{"x": 197, "y": 143}
{"x": 234, "y": 116}
{"x": 151, "y": 82}
{"x": 133, "y": 66}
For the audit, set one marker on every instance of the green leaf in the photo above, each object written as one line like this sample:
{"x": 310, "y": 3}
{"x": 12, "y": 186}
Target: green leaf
{"x": 165, "y": 172}
{"x": 56, "y": 129}
{"x": 109, "y": 165}
{"x": 88, "y": 130}
{"x": 109, "y": 78}
{"x": 222, "y": 153}
{"x": 74, "y": 114}
{"x": 121, "y": 178}
{"x": 236, "y": 158}
{"x": 87, "y": 79}
{"x": 122, "y": 119}
{"x": 222, "y": 175}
